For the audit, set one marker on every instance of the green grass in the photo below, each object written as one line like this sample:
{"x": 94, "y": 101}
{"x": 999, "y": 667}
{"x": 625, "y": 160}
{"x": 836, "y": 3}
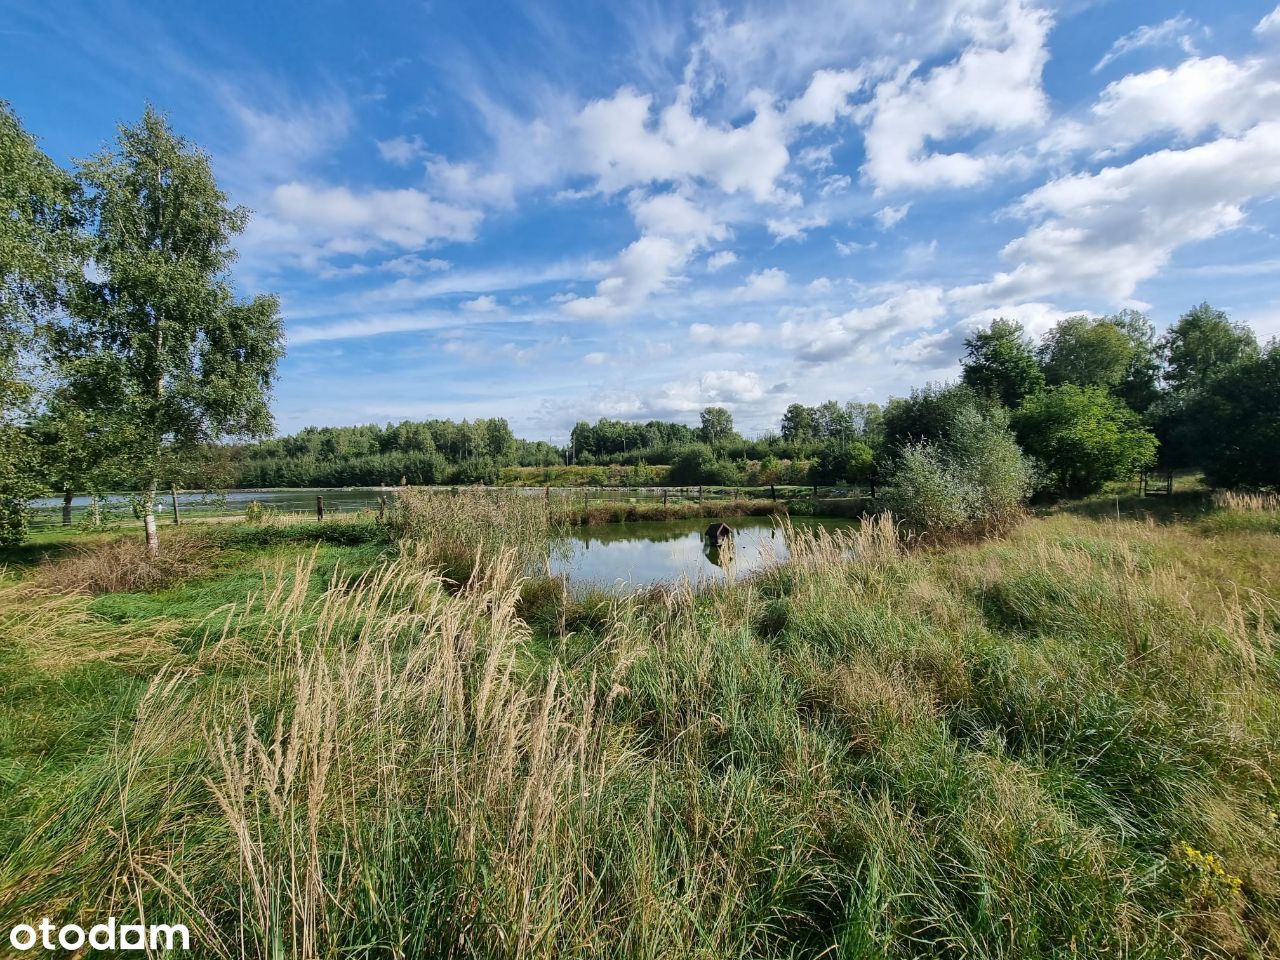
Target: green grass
{"x": 1000, "y": 750}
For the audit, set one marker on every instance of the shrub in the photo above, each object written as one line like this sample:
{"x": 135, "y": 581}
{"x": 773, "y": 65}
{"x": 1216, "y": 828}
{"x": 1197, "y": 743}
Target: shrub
{"x": 978, "y": 478}
{"x": 123, "y": 565}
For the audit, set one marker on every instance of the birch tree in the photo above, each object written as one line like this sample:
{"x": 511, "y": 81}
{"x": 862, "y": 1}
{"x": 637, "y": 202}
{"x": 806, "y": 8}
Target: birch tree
{"x": 160, "y": 354}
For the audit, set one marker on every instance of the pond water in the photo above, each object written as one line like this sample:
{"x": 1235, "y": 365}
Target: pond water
{"x": 625, "y": 556}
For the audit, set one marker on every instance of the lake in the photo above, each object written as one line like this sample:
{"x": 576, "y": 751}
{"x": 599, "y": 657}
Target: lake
{"x": 627, "y": 556}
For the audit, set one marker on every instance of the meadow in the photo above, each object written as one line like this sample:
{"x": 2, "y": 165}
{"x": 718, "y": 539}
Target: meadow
{"x": 398, "y": 740}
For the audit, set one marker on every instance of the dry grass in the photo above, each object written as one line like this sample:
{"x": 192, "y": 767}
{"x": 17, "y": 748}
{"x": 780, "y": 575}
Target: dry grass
{"x": 1247, "y": 502}
{"x": 123, "y": 565}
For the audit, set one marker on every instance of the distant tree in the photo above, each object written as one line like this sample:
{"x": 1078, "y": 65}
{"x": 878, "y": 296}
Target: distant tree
{"x": 929, "y": 413}
{"x": 1203, "y": 344}
{"x": 831, "y": 421}
{"x": 1237, "y": 423}
{"x": 40, "y": 250}
{"x": 842, "y": 461}
{"x": 717, "y": 425}
{"x": 1084, "y": 436}
{"x": 698, "y": 464}
{"x": 162, "y": 356}
{"x": 1139, "y": 388}
{"x": 1086, "y": 352}
{"x": 1000, "y": 362}
{"x": 798, "y": 423}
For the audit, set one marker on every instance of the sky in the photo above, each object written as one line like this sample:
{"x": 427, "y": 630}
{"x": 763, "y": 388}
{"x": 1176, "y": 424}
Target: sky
{"x": 554, "y": 211}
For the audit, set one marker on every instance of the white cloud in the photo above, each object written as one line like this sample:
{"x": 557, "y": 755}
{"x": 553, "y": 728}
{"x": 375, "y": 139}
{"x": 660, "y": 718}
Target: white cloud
{"x": 401, "y": 151}
{"x": 718, "y": 261}
{"x": 1269, "y": 25}
{"x": 850, "y": 247}
{"x": 863, "y": 328}
{"x": 673, "y": 229}
{"x": 826, "y": 98}
{"x": 820, "y": 285}
{"x": 340, "y": 220}
{"x": 889, "y": 217}
{"x": 638, "y": 272}
{"x": 994, "y": 85}
{"x": 467, "y": 184}
{"x": 623, "y": 144}
{"x": 715, "y": 387}
{"x": 794, "y": 228}
{"x": 733, "y": 336}
{"x": 1173, "y": 30}
{"x": 482, "y": 304}
{"x": 595, "y": 358}
{"x": 1197, "y": 96}
{"x": 762, "y": 285}
{"x": 673, "y": 215}
{"x": 1105, "y": 233}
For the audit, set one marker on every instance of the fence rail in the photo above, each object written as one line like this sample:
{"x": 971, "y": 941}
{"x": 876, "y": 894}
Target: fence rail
{"x": 122, "y": 508}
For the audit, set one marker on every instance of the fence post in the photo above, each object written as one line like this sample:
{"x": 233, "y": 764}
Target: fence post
{"x": 319, "y": 508}
{"x": 586, "y": 499}
{"x": 773, "y": 493}
{"x": 699, "y": 493}
{"x": 173, "y": 496}
{"x": 664, "y": 496}
{"x": 382, "y": 509}
{"x": 66, "y": 508}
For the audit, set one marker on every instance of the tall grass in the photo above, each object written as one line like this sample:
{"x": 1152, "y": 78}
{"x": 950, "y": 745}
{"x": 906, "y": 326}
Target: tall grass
{"x": 1000, "y": 751}
{"x": 460, "y": 532}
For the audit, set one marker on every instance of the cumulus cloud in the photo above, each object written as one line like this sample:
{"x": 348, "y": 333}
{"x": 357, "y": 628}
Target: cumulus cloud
{"x": 838, "y": 337}
{"x": 1199, "y": 95}
{"x": 994, "y": 85}
{"x": 1108, "y": 231}
{"x": 794, "y": 228}
{"x": 728, "y": 388}
{"x": 731, "y": 336}
{"x": 1174, "y": 30}
{"x": 718, "y": 261}
{"x": 762, "y": 285}
{"x": 482, "y": 304}
{"x": 625, "y": 143}
{"x": 673, "y": 230}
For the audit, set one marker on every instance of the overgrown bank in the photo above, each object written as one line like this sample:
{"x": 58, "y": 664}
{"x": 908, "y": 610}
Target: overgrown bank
{"x": 1062, "y": 742}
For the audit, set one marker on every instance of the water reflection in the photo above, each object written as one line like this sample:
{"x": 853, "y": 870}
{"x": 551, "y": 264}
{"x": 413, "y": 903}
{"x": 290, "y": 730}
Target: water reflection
{"x": 632, "y": 555}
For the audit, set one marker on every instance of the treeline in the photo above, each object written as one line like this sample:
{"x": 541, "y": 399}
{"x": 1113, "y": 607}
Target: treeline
{"x": 431, "y": 452}
{"x": 1096, "y": 399}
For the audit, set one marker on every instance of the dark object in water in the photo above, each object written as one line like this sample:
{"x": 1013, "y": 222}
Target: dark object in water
{"x": 718, "y": 533}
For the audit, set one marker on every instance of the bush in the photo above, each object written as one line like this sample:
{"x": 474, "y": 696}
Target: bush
{"x": 976, "y": 479}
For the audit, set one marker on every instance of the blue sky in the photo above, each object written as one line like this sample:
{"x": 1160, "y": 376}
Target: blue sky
{"x": 554, "y": 211}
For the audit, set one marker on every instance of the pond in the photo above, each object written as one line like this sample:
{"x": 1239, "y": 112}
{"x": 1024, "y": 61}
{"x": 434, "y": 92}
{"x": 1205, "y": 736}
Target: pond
{"x": 626, "y": 556}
